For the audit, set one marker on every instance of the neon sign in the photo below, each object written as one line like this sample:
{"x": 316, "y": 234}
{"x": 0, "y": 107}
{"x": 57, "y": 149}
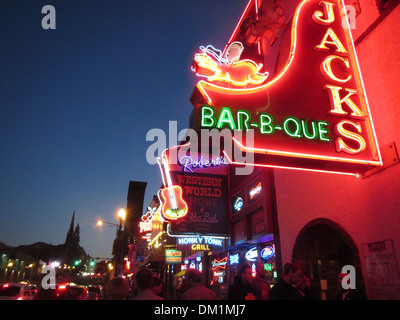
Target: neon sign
{"x": 219, "y": 263}
{"x": 173, "y": 207}
{"x": 254, "y": 191}
{"x": 234, "y": 259}
{"x": 199, "y": 243}
{"x": 267, "y": 253}
{"x": 314, "y": 108}
{"x": 147, "y": 220}
{"x": 241, "y": 120}
{"x": 145, "y": 226}
{"x": 209, "y": 63}
{"x": 238, "y": 205}
{"x": 189, "y": 165}
{"x": 252, "y": 254}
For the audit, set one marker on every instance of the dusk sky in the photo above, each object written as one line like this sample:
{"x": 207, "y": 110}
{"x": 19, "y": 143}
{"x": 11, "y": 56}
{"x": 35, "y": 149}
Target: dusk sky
{"x": 77, "y": 102}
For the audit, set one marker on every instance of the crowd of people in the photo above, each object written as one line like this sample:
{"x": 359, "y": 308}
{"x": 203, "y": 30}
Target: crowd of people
{"x": 292, "y": 286}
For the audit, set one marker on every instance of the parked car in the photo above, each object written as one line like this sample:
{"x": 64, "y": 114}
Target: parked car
{"x": 95, "y": 292}
{"x": 65, "y": 291}
{"x": 17, "y": 291}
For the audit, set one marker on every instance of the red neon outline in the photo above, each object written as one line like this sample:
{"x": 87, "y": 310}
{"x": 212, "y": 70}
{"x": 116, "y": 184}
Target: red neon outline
{"x": 357, "y": 175}
{"x": 301, "y": 155}
{"x": 359, "y": 80}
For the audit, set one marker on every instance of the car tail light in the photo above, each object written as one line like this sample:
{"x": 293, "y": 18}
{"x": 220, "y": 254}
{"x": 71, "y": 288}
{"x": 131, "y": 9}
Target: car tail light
{"x": 62, "y": 287}
{"x": 19, "y": 298}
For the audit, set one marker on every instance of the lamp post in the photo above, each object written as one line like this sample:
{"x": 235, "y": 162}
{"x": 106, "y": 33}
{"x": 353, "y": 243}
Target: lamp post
{"x": 101, "y": 222}
{"x": 118, "y": 245}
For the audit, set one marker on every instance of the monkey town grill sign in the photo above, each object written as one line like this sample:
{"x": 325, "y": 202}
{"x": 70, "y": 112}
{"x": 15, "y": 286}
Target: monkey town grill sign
{"x": 313, "y": 113}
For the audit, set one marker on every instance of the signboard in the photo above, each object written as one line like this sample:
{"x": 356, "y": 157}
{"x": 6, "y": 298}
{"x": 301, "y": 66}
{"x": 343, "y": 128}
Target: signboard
{"x": 267, "y": 252}
{"x": 312, "y": 113}
{"x": 201, "y": 194}
{"x": 199, "y": 244}
{"x": 173, "y": 256}
{"x": 252, "y": 254}
{"x": 382, "y": 271}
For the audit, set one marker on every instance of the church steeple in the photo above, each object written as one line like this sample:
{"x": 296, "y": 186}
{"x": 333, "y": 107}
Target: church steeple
{"x": 71, "y": 229}
{"x": 73, "y": 251}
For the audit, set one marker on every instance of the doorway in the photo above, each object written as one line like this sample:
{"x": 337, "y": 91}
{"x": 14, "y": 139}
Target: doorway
{"x": 322, "y": 248}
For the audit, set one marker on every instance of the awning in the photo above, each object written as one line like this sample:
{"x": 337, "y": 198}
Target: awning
{"x": 180, "y": 273}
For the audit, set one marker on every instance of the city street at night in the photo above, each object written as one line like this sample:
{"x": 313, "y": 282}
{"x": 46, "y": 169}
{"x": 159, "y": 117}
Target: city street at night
{"x": 230, "y": 153}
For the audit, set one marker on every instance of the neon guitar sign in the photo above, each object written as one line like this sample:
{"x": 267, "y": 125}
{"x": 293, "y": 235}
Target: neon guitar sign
{"x": 173, "y": 206}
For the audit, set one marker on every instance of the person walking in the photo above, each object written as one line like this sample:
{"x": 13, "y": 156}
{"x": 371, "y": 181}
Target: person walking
{"x": 242, "y": 288}
{"x": 286, "y": 287}
{"x": 196, "y": 291}
{"x": 144, "y": 282}
{"x": 260, "y": 285}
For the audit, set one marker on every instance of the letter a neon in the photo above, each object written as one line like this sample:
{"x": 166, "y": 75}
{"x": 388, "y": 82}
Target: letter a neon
{"x": 226, "y": 117}
{"x": 331, "y": 38}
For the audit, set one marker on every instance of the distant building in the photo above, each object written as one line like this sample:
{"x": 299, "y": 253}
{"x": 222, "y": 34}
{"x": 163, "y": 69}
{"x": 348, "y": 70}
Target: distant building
{"x": 24, "y": 262}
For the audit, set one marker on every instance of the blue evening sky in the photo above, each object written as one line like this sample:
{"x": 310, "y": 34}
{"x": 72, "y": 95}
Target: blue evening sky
{"x": 76, "y": 104}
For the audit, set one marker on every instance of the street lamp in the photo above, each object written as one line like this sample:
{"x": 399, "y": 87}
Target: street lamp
{"x": 119, "y": 240}
{"x": 101, "y": 222}
{"x": 121, "y": 216}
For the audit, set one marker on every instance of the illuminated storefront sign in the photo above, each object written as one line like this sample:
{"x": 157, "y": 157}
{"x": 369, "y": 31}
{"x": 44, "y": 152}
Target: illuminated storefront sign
{"x": 173, "y": 256}
{"x": 252, "y": 254}
{"x": 190, "y": 165}
{"x": 238, "y": 204}
{"x": 145, "y": 226}
{"x": 210, "y": 63}
{"x": 267, "y": 253}
{"x": 199, "y": 244}
{"x": 203, "y": 193}
{"x": 219, "y": 264}
{"x": 173, "y": 206}
{"x": 255, "y": 191}
{"x": 313, "y": 114}
{"x": 234, "y": 259}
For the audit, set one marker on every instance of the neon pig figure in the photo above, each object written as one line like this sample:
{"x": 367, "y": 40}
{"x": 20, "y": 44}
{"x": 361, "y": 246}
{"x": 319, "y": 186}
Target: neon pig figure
{"x": 209, "y": 63}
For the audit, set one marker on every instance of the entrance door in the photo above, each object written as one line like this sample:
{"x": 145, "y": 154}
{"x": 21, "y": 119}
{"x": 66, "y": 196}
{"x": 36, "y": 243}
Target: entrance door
{"x": 322, "y": 249}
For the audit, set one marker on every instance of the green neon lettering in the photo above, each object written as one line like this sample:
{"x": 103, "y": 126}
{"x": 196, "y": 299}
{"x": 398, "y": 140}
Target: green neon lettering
{"x": 266, "y": 123}
{"x": 240, "y": 115}
{"x": 226, "y": 118}
{"x": 297, "y": 125}
{"x": 207, "y": 116}
{"x": 305, "y": 129}
{"x": 323, "y": 132}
